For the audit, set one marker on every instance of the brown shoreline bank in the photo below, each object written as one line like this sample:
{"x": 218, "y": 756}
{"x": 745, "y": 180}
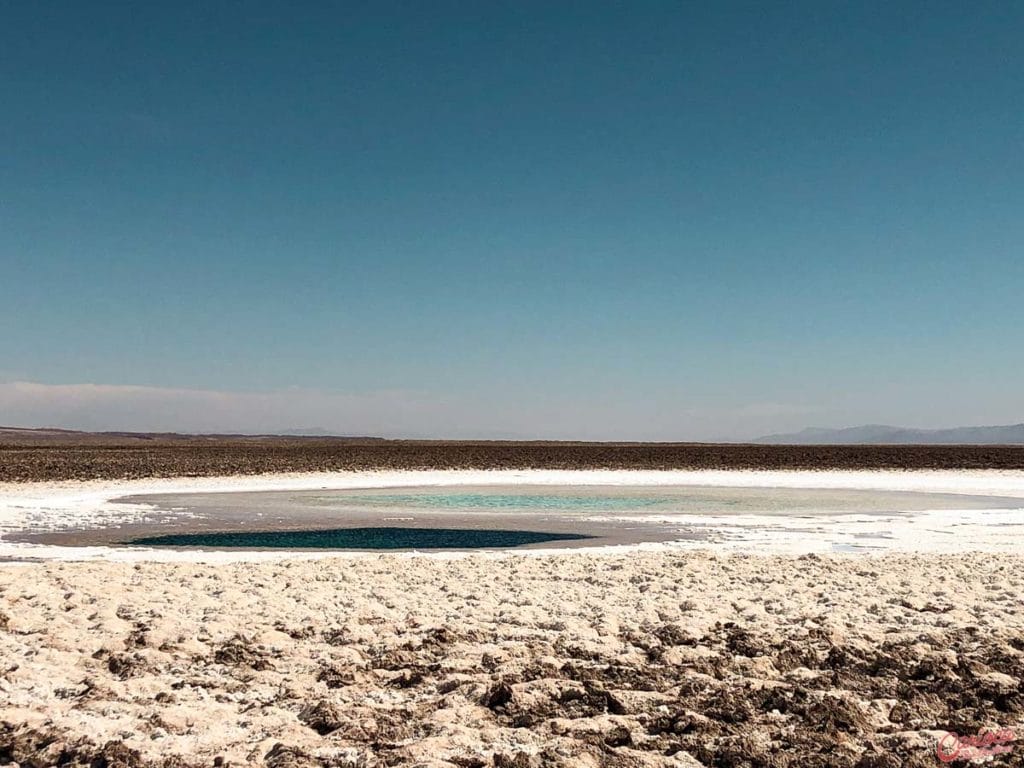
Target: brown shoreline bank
{"x": 26, "y": 456}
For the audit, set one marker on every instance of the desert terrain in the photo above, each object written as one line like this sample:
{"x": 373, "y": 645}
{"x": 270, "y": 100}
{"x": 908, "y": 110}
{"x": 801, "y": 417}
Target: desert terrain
{"x": 35, "y": 455}
{"x": 603, "y": 659}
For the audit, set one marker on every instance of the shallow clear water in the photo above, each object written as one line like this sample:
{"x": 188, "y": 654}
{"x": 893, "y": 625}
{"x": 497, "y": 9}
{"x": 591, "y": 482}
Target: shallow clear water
{"x": 502, "y": 501}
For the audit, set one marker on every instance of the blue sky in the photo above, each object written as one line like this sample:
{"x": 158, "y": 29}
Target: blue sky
{"x": 601, "y": 220}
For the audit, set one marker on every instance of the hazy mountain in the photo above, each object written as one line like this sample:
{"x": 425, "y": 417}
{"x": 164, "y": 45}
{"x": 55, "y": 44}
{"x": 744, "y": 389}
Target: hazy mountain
{"x": 17, "y": 435}
{"x": 881, "y": 434}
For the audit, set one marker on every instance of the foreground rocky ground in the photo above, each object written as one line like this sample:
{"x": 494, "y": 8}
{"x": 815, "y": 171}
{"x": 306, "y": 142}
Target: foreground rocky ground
{"x": 515, "y": 662}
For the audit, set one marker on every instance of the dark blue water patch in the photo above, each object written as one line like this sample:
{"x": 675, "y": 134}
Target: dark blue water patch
{"x": 360, "y": 538}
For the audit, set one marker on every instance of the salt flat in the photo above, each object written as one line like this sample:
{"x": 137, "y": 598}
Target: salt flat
{"x": 628, "y": 658}
{"x": 672, "y": 659}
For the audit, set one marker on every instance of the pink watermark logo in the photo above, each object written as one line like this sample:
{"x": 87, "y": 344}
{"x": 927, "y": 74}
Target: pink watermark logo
{"x": 952, "y": 747}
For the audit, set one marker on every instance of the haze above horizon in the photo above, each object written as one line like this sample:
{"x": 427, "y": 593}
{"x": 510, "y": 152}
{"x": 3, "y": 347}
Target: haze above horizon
{"x": 655, "y": 221}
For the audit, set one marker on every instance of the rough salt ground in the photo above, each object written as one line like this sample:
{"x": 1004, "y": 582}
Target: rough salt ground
{"x": 566, "y": 660}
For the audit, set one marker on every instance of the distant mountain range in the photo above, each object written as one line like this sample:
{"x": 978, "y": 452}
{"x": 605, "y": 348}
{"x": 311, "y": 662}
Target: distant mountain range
{"x": 881, "y": 434}
{"x": 10, "y": 435}
{"x": 306, "y": 432}
{"x": 871, "y": 434}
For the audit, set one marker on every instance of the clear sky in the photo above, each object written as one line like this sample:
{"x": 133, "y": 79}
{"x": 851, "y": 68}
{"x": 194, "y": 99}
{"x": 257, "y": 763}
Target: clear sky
{"x": 652, "y": 220}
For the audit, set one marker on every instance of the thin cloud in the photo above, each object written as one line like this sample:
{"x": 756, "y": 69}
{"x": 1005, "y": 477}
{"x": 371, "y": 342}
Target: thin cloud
{"x": 160, "y": 409}
{"x": 385, "y": 413}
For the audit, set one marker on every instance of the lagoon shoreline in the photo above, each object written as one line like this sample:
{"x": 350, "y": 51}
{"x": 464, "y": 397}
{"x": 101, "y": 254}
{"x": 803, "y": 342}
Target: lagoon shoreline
{"x": 53, "y": 515}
